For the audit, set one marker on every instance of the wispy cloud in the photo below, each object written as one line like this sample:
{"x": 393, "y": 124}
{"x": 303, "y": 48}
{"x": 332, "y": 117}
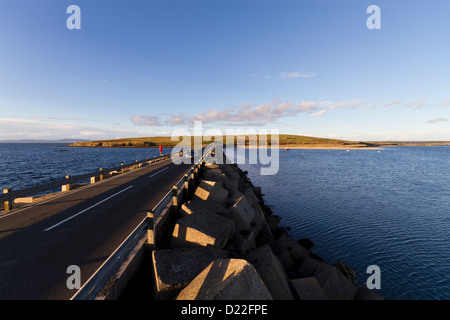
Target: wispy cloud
{"x": 318, "y": 113}
{"x": 63, "y": 118}
{"x": 349, "y": 104}
{"x": 393, "y": 103}
{"x": 417, "y": 104}
{"x": 445, "y": 103}
{"x": 11, "y": 128}
{"x": 437, "y": 120}
{"x": 245, "y": 115}
{"x": 296, "y": 74}
{"x": 146, "y": 120}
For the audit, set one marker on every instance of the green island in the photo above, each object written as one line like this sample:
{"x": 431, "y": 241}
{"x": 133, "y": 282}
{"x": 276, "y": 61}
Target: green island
{"x": 285, "y": 141}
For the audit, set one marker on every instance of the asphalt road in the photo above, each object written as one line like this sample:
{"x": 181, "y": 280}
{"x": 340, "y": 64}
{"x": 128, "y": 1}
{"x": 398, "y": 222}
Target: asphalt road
{"x": 80, "y": 227}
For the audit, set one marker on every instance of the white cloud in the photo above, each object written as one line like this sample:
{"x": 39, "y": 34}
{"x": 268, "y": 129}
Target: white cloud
{"x": 416, "y": 103}
{"x": 349, "y": 104}
{"x": 147, "y": 120}
{"x": 437, "y": 120}
{"x": 246, "y": 114}
{"x": 445, "y": 103}
{"x": 296, "y": 74}
{"x": 393, "y": 103}
{"x": 319, "y": 113}
{"x": 12, "y": 128}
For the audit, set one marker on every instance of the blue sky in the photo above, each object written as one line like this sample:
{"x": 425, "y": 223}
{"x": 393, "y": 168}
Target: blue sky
{"x": 145, "y": 68}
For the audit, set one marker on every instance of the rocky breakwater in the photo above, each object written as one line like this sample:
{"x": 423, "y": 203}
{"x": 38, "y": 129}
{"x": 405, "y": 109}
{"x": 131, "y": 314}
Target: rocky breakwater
{"x": 228, "y": 245}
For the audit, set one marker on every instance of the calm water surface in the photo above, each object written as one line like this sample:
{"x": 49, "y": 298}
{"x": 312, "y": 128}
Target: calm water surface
{"x": 389, "y": 208}
{"x": 24, "y": 165}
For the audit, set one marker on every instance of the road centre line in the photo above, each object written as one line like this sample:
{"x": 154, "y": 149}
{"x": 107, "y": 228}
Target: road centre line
{"x": 158, "y": 172}
{"x": 77, "y": 214}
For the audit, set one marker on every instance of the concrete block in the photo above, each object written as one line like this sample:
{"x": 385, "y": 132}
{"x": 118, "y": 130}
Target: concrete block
{"x": 336, "y": 285}
{"x": 271, "y": 272}
{"x": 174, "y": 269}
{"x": 212, "y": 174}
{"x": 311, "y": 268}
{"x": 200, "y": 229}
{"x": 286, "y": 260}
{"x": 305, "y": 243}
{"x": 226, "y": 279}
{"x": 231, "y": 172}
{"x": 346, "y": 271}
{"x": 202, "y": 205}
{"x": 251, "y": 197}
{"x": 365, "y": 293}
{"x": 257, "y": 191}
{"x": 308, "y": 289}
{"x": 243, "y": 242}
{"x": 242, "y": 214}
{"x": 297, "y": 252}
{"x": 24, "y": 200}
{"x": 259, "y": 220}
{"x": 211, "y": 190}
{"x": 273, "y": 221}
{"x": 264, "y": 236}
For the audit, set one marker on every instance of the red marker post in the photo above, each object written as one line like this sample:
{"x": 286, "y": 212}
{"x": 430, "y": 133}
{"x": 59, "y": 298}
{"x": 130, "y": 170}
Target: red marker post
{"x": 160, "y": 149}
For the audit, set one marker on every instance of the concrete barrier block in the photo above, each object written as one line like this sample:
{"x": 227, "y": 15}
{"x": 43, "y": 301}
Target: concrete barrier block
{"x": 365, "y": 293}
{"x": 286, "y": 260}
{"x": 24, "y": 200}
{"x": 202, "y": 205}
{"x": 174, "y": 269}
{"x": 211, "y": 190}
{"x": 264, "y": 236}
{"x": 336, "y": 285}
{"x": 212, "y": 174}
{"x": 273, "y": 222}
{"x": 251, "y": 197}
{"x": 257, "y": 191}
{"x": 308, "y": 289}
{"x": 311, "y": 268}
{"x": 243, "y": 242}
{"x": 231, "y": 172}
{"x": 297, "y": 252}
{"x": 346, "y": 271}
{"x": 226, "y": 279}
{"x": 259, "y": 220}
{"x": 242, "y": 214}
{"x": 271, "y": 272}
{"x": 202, "y": 229}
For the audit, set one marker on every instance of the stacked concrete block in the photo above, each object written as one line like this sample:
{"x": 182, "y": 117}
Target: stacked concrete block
{"x": 226, "y": 279}
{"x": 271, "y": 271}
{"x": 227, "y": 213}
{"x": 202, "y": 228}
{"x": 174, "y": 269}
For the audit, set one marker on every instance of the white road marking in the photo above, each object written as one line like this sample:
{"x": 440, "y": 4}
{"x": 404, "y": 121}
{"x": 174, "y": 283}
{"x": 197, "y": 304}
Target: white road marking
{"x": 158, "y": 172}
{"x": 71, "y": 217}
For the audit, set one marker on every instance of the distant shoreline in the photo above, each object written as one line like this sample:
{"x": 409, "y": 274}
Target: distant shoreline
{"x": 284, "y": 141}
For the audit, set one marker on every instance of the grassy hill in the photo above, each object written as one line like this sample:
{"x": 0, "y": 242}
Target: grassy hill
{"x": 291, "y": 141}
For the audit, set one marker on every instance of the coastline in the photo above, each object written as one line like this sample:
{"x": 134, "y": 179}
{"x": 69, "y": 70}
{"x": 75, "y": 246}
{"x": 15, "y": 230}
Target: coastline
{"x": 334, "y": 148}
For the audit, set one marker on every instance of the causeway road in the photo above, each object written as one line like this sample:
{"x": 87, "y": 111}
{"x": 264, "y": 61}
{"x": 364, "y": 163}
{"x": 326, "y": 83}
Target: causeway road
{"x": 80, "y": 227}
